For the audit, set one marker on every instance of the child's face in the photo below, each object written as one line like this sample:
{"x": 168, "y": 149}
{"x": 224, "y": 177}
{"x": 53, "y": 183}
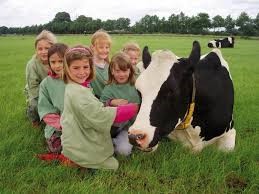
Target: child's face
{"x": 79, "y": 70}
{"x": 56, "y": 63}
{"x": 101, "y": 49}
{"x": 42, "y": 48}
{"x": 119, "y": 75}
{"x": 134, "y": 57}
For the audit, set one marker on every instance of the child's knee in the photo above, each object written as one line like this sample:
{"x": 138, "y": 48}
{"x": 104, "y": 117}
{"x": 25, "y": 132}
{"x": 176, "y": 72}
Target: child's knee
{"x": 121, "y": 144}
{"x": 123, "y": 149}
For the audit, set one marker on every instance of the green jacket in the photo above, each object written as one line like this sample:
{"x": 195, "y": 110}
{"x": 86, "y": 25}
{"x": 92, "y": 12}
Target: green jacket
{"x": 51, "y": 100}
{"x": 86, "y": 125}
{"x": 99, "y": 82}
{"x": 35, "y": 73}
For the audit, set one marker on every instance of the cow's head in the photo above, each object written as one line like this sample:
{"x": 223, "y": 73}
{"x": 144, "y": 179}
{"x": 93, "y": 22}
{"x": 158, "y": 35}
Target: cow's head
{"x": 165, "y": 87}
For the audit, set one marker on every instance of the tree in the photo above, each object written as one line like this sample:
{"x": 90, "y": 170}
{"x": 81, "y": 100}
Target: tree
{"x": 3, "y": 30}
{"x": 122, "y": 24}
{"x": 184, "y": 23}
{"x": 83, "y": 19}
{"x": 173, "y": 22}
{"x": 217, "y": 22}
{"x": 246, "y": 25}
{"x": 199, "y": 24}
{"x": 242, "y": 19}
{"x": 256, "y": 22}
{"x": 229, "y": 24}
{"x": 62, "y": 17}
{"x": 109, "y": 25}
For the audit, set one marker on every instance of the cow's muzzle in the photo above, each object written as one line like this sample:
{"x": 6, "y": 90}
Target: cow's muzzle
{"x": 135, "y": 139}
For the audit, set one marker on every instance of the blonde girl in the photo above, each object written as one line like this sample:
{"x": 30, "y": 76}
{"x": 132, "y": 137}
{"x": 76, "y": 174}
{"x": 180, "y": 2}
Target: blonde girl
{"x": 133, "y": 50}
{"x": 100, "y": 45}
{"x": 36, "y": 70}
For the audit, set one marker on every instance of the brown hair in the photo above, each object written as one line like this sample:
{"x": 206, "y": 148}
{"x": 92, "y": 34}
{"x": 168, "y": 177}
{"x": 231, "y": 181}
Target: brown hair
{"x": 131, "y": 46}
{"x": 101, "y": 36}
{"x": 78, "y": 52}
{"x": 123, "y": 61}
{"x": 58, "y": 48}
{"x": 45, "y": 35}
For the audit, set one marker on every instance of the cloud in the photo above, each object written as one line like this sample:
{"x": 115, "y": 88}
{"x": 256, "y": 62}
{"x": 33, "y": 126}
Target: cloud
{"x": 21, "y": 13}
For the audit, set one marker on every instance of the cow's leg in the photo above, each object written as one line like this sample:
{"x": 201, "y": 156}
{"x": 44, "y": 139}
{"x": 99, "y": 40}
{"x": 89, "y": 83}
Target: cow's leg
{"x": 227, "y": 141}
{"x": 189, "y": 138}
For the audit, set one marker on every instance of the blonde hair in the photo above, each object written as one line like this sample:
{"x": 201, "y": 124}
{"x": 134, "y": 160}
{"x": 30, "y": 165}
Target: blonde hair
{"x": 101, "y": 36}
{"x": 131, "y": 46}
{"x": 78, "y": 52}
{"x": 46, "y": 35}
{"x": 122, "y": 60}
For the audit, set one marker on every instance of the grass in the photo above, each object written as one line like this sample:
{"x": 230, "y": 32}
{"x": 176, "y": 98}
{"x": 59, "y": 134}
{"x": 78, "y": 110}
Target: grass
{"x": 171, "y": 169}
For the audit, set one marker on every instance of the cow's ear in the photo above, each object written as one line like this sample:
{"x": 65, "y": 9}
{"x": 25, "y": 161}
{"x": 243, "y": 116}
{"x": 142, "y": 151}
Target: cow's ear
{"x": 146, "y": 57}
{"x": 195, "y": 54}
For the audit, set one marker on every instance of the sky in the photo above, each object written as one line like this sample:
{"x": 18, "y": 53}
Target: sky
{"x": 20, "y": 13}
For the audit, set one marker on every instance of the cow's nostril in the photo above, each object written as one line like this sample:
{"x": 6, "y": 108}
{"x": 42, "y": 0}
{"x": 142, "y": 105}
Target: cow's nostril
{"x": 140, "y": 136}
{"x": 134, "y": 139}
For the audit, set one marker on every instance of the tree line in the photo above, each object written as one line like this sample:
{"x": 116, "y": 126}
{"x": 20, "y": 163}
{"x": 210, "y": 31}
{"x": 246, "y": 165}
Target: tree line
{"x": 244, "y": 25}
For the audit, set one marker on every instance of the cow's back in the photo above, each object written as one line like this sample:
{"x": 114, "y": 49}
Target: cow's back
{"x": 214, "y": 97}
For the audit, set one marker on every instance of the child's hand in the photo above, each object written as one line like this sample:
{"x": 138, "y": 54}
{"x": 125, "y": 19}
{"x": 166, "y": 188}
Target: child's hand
{"x": 126, "y": 112}
{"x": 118, "y": 102}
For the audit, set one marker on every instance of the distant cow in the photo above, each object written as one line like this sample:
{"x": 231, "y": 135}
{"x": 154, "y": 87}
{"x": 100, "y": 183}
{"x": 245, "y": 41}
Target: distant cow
{"x": 187, "y": 99}
{"x": 222, "y": 43}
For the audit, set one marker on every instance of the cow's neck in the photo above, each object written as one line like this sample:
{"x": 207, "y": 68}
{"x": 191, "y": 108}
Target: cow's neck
{"x": 186, "y": 122}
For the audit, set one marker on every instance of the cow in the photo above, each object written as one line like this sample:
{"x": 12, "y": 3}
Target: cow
{"x": 187, "y": 99}
{"x": 222, "y": 43}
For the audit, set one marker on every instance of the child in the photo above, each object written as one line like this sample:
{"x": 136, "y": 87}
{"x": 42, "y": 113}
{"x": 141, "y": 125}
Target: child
{"x": 120, "y": 91}
{"x": 51, "y": 97}
{"x": 133, "y": 50}
{"x": 100, "y": 44}
{"x": 36, "y": 71}
{"x": 86, "y": 123}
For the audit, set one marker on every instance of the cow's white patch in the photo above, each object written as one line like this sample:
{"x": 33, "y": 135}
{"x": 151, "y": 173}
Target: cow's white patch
{"x": 140, "y": 66}
{"x": 230, "y": 40}
{"x": 190, "y": 137}
{"x": 213, "y": 42}
{"x": 227, "y": 141}
{"x": 222, "y": 60}
{"x": 149, "y": 83}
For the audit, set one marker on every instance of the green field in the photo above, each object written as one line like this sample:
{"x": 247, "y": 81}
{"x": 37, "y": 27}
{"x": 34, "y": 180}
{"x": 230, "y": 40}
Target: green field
{"x": 171, "y": 169}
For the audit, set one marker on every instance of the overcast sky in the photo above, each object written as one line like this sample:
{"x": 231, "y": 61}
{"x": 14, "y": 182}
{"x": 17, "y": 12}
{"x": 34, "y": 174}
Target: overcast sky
{"x": 20, "y": 13}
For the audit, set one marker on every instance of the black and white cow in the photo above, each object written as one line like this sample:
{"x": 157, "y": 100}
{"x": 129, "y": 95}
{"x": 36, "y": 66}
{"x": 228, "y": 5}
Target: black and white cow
{"x": 167, "y": 87}
{"x": 222, "y": 43}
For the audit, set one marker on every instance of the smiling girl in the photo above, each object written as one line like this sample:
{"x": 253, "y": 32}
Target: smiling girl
{"x": 100, "y": 45}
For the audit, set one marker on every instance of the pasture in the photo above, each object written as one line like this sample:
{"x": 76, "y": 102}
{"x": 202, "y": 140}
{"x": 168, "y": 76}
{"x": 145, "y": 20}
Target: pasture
{"x": 171, "y": 169}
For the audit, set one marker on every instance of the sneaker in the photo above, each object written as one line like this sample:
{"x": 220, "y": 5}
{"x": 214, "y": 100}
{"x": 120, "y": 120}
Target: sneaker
{"x": 36, "y": 124}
